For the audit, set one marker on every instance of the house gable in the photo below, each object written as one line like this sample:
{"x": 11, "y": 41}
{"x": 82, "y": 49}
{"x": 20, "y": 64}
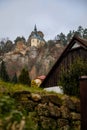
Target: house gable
{"x": 69, "y": 53}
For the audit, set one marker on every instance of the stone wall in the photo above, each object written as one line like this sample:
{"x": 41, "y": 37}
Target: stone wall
{"x": 51, "y": 112}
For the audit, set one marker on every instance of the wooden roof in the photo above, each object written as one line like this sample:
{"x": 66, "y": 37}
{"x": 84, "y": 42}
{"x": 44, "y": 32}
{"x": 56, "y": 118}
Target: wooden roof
{"x": 75, "y": 39}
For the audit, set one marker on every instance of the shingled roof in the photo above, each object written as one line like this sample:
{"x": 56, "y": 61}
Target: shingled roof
{"x": 75, "y": 40}
{"x": 36, "y": 35}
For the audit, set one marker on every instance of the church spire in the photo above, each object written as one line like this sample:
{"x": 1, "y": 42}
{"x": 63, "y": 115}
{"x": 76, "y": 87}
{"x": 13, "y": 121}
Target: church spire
{"x": 35, "y": 28}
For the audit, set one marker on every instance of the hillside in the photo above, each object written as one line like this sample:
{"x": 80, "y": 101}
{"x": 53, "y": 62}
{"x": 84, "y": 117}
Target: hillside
{"x": 35, "y": 54}
{"x": 26, "y": 108}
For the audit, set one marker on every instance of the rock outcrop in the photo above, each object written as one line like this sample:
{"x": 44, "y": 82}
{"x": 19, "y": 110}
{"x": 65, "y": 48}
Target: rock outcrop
{"x": 38, "y": 60}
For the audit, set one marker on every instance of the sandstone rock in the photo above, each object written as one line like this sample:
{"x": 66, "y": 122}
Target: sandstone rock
{"x": 31, "y": 57}
{"x": 33, "y": 52}
{"x": 76, "y": 102}
{"x": 77, "y": 106}
{"x": 35, "y": 97}
{"x": 62, "y": 122}
{"x": 75, "y": 116}
{"x": 68, "y": 102}
{"x": 47, "y": 123}
{"x": 55, "y": 100}
{"x": 33, "y": 72}
{"x": 51, "y": 98}
{"x": 54, "y": 111}
{"x": 28, "y": 105}
{"x": 51, "y": 104}
{"x": 67, "y": 127}
{"x": 42, "y": 110}
{"x": 45, "y": 99}
{"x": 76, "y": 125}
{"x": 21, "y": 95}
{"x": 65, "y": 112}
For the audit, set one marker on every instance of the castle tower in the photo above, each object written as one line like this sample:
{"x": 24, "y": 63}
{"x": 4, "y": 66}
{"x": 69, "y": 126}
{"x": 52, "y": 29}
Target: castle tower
{"x": 37, "y": 38}
{"x": 35, "y": 29}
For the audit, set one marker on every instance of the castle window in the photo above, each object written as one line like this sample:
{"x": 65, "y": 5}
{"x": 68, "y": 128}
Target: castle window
{"x": 37, "y": 41}
{"x": 32, "y": 40}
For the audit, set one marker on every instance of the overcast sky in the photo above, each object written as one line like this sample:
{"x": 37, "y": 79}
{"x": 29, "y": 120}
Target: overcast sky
{"x": 18, "y": 17}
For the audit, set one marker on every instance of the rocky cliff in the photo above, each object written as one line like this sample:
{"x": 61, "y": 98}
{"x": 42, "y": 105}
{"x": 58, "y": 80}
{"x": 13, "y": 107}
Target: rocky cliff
{"x": 37, "y": 60}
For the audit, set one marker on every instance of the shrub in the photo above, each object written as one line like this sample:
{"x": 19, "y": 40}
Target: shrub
{"x": 31, "y": 122}
{"x": 3, "y": 72}
{"x": 70, "y": 79}
{"x": 6, "y": 105}
{"x": 14, "y": 79}
{"x": 11, "y": 117}
{"x": 24, "y": 77}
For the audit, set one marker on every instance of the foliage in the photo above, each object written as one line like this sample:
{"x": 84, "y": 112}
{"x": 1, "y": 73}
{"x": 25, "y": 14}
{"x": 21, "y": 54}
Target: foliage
{"x": 3, "y": 73}
{"x": 14, "y": 79}
{"x": 63, "y": 38}
{"x": 69, "y": 35}
{"x": 31, "y": 124}
{"x": 50, "y": 43}
{"x": 6, "y": 45}
{"x": 20, "y": 39}
{"x": 82, "y": 32}
{"x": 14, "y": 117}
{"x": 6, "y": 105}
{"x": 9, "y": 114}
{"x": 85, "y": 33}
{"x": 70, "y": 80}
{"x": 24, "y": 77}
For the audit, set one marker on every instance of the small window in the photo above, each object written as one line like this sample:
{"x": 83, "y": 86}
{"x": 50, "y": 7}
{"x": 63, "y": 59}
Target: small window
{"x": 32, "y": 40}
{"x": 37, "y": 41}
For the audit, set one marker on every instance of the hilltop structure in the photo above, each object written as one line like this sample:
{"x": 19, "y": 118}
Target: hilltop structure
{"x": 36, "y": 38}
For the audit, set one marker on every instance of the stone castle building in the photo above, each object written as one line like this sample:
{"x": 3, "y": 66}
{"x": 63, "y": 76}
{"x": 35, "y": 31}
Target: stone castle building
{"x": 36, "y": 38}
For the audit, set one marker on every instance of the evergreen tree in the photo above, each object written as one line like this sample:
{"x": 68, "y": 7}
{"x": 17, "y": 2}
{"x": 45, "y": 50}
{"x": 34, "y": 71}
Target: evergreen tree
{"x": 80, "y": 31}
{"x": 3, "y": 73}
{"x": 85, "y": 33}
{"x": 14, "y": 79}
{"x": 63, "y": 38}
{"x": 69, "y": 35}
{"x": 66, "y": 38}
{"x": 70, "y": 79}
{"x": 24, "y": 77}
{"x": 22, "y": 39}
